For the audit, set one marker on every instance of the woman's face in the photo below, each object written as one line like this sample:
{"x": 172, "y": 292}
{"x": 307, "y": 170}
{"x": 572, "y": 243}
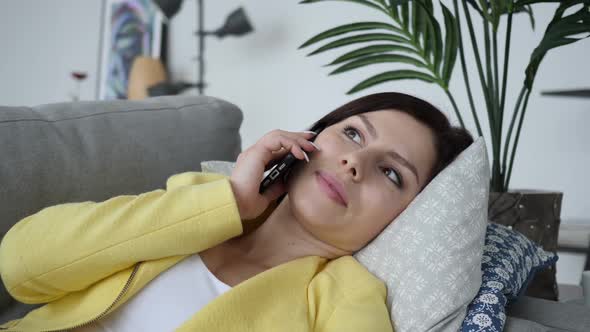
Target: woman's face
{"x": 365, "y": 153}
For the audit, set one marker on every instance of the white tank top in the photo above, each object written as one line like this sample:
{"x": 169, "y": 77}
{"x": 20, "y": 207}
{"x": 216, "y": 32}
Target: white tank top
{"x": 166, "y": 302}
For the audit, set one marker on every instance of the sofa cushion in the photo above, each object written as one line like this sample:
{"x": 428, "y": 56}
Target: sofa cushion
{"x": 510, "y": 261}
{"x": 430, "y": 255}
{"x": 95, "y": 150}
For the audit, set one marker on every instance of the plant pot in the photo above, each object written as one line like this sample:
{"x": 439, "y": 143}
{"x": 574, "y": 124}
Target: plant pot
{"x": 536, "y": 214}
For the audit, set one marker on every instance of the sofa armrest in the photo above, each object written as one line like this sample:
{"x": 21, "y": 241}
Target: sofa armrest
{"x": 556, "y": 315}
{"x": 514, "y": 324}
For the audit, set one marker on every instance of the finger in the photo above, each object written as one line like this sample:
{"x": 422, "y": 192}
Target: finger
{"x": 298, "y": 151}
{"x": 277, "y": 157}
{"x": 274, "y": 142}
{"x": 277, "y": 141}
{"x": 303, "y": 133}
{"x": 307, "y": 145}
{"x": 307, "y": 133}
{"x": 302, "y": 145}
{"x": 284, "y": 152}
{"x": 302, "y": 138}
{"x": 304, "y": 142}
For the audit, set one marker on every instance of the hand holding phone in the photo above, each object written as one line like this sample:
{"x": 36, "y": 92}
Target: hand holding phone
{"x": 279, "y": 172}
{"x": 252, "y": 190}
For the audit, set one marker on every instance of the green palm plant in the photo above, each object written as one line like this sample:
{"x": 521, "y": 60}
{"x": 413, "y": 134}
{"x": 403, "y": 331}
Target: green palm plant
{"x": 413, "y": 37}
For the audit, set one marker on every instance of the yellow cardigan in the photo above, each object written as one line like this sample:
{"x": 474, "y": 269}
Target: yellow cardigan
{"x": 86, "y": 259}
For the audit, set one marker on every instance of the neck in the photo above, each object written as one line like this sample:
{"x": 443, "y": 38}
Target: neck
{"x": 282, "y": 238}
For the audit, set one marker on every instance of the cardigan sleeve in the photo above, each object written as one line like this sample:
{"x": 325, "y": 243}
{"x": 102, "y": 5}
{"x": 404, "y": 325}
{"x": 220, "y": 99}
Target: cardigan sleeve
{"x": 67, "y": 247}
{"x": 362, "y": 309}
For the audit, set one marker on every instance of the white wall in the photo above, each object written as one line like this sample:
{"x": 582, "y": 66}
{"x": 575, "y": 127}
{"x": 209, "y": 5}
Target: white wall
{"x": 277, "y": 86}
{"x": 41, "y": 42}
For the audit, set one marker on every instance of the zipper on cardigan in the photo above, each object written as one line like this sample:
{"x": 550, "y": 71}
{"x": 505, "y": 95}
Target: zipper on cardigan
{"x": 123, "y": 291}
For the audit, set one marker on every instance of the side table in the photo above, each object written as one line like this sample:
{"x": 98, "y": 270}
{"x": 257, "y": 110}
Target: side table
{"x": 576, "y": 301}
{"x": 574, "y": 237}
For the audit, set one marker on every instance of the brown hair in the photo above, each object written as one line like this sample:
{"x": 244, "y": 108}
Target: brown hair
{"x": 449, "y": 141}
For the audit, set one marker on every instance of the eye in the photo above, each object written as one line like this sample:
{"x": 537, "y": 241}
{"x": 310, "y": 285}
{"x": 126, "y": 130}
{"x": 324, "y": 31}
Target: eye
{"x": 348, "y": 129}
{"x": 398, "y": 179}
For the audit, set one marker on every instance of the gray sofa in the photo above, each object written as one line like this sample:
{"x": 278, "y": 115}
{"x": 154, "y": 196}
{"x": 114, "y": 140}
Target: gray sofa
{"x": 72, "y": 152}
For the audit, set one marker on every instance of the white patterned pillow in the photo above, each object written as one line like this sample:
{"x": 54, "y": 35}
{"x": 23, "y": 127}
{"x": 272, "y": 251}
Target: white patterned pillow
{"x": 218, "y": 166}
{"x": 430, "y": 255}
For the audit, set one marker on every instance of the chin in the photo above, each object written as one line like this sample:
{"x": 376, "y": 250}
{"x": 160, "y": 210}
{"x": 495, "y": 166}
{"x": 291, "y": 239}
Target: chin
{"x": 315, "y": 211}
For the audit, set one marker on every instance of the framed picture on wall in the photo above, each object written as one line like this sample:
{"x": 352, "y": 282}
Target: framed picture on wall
{"x": 129, "y": 28}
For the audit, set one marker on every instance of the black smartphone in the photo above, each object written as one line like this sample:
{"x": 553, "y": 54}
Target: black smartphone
{"x": 280, "y": 171}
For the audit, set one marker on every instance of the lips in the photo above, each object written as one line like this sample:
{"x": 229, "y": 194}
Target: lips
{"x": 335, "y": 185}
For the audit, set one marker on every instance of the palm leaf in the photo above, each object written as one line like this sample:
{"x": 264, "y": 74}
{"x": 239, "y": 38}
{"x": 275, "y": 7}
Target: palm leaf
{"x": 381, "y": 58}
{"x": 359, "y": 39}
{"x": 362, "y": 2}
{"x": 434, "y": 44}
{"x": 405, "y": 9}
{"x": 529, "y": 10}
{"x": 372, "y": 49}
{"x": 425, "y": 30}
{"x": 353, "y": 27}
{"x": 428, "y": 43}
{"x": 392, "y": 5}
{"x": 522, "y": 3}
{"x": 499, "y": 8}
{"x": 475, "y": 6}
{"x": 451, "y": 44}
{"x": 558, "y": 33}
{"x": 391, "y": 76}
{"x": 504, "y": 7}
{"x": 425, "y": 25}
{"x": 416, "y": 32}
{"x": 418, "y": 23}
{"x": 397, "y": 2}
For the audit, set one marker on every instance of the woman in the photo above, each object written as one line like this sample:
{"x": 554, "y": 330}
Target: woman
{"x": 227, "y": 258}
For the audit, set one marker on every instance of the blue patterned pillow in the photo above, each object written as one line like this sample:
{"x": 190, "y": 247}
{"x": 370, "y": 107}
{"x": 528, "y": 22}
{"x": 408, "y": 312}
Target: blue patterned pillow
{"x": 510, "y": 261}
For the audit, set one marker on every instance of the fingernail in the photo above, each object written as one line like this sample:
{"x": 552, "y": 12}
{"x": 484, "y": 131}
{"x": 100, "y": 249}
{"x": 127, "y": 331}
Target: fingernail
{"x": 309, "y": 132}
{"x": 317, "y": 147}
{"x": 305, "y": 155}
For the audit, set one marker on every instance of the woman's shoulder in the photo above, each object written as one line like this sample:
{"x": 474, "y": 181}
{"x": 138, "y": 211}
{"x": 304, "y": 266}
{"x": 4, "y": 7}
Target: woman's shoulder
{"x": 350, "y": 273}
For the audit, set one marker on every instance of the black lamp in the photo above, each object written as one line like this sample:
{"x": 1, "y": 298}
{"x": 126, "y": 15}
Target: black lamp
{"x": 236, "y": 24}
{"x": 582, "y": 93}
{"x": 169, "y": 7}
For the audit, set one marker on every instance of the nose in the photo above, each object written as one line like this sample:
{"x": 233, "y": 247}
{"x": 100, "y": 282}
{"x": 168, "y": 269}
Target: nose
{"x": 352, "y": 166}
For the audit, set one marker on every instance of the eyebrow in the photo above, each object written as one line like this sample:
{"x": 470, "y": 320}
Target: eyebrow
{"x": 371, "y": 129}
